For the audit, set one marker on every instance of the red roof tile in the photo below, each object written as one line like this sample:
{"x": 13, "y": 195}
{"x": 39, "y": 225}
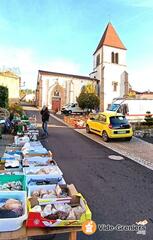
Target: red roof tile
{"x": 110, "y": 38}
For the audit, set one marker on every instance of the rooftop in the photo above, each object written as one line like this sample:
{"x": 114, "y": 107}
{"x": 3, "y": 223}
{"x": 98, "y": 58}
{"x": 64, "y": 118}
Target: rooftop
{"x": 42, "y": 72}
{"x": 110, "y": 38}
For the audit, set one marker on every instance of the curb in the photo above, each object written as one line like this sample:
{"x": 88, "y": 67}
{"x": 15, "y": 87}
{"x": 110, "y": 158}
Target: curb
{"x": 60, "y": 120}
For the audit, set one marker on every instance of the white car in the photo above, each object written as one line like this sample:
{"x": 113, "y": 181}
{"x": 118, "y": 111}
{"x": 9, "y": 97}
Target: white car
{"x": 73, "y": 108}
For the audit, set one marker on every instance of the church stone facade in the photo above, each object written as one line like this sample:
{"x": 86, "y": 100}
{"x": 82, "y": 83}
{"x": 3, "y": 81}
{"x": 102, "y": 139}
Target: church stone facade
{"x": 57, "y": 89}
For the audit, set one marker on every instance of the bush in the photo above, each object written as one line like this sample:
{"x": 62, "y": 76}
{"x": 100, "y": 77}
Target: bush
{"x": 149, "y": 118}
{"x": 3, "y": 97}
{"x": 88, "y": 100}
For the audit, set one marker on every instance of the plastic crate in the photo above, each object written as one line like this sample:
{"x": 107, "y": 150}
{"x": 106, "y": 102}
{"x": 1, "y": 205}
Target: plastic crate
{"x": 12, "y": 178}
{"x": 12, "y": 224}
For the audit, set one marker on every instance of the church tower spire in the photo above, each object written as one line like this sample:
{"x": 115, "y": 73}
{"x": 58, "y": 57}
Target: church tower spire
{"x": 109, "y": 66}
{"x": 110, "y": 38}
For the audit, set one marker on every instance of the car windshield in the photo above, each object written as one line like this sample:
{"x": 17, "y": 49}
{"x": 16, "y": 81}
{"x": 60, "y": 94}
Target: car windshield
{"x": 114, "y": 107}
{"x": 118, "y": 120}
{"x": 66, "y": 106}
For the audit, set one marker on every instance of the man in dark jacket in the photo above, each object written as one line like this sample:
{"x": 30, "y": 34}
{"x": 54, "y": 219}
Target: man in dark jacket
{"x": 45, "y": 118}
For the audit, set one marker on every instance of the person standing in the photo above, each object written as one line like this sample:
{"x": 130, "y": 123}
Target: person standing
{"x": 45, "y": 118}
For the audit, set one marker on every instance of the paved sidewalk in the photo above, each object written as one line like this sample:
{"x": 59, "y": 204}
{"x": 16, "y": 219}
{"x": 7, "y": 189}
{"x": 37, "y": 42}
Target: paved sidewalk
{"x": 137, "y": 149}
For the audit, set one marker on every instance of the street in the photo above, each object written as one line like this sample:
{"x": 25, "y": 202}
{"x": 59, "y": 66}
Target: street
{"x": 117, "y": 192}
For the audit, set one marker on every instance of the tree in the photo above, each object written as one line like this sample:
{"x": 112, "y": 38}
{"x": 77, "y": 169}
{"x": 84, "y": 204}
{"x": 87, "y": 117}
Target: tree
{"x": 24, "y": 92}
{"x": 149, "y": 118}
{"x": 88, "y": 98}
{"x": 3, "y": 97}
{"x": 89, "y": 88}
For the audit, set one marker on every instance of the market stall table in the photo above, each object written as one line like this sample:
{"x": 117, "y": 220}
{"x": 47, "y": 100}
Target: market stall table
{"x": 23, "y": 233}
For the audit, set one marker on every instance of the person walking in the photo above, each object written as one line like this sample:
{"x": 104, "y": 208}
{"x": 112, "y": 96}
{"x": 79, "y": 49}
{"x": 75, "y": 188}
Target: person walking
{"x": 45, "y": 118}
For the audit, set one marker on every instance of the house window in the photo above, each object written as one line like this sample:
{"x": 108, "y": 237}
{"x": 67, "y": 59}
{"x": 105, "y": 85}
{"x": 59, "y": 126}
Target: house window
{"x": 115, "y": 84}
{"x": 112, "y": 57}
{"x": 98, "y": 60}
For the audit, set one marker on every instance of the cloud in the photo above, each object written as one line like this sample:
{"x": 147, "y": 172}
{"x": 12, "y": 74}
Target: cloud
{"x": 141, "y": 79}
{"x": 63, "y": 66}
{"x": 142, "y": 3}
{"x": 26, "y": 60}
{"x": 138, "y": 3}
{"x": 23, "y": 59}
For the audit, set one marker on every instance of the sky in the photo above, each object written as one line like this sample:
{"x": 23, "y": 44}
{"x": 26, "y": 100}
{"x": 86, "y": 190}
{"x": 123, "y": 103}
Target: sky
{"x": 62, "y": 35}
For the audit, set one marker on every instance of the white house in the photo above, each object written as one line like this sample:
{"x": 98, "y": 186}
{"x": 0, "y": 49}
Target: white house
{"x": 109, "y": 66}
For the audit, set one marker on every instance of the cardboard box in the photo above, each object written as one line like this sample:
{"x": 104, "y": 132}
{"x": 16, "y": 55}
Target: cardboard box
{"x": 36, "y": 220}
{"x": 12, "y": 148}
{"x": 33, "y": 154}
{"x": 70, "y": 189}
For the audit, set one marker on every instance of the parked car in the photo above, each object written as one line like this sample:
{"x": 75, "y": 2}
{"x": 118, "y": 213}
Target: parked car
{"x": 64, "y": 107}
{"x": 73, "y": 108}
{"x": 110, "y": 125}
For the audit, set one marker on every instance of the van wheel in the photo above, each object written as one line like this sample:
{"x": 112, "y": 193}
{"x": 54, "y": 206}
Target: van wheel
{"x": 105, "y": 136}
{"x": 88, "y": 129}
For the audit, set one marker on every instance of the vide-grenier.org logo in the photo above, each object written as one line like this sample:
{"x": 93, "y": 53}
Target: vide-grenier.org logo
{"x": 89, "y": 227}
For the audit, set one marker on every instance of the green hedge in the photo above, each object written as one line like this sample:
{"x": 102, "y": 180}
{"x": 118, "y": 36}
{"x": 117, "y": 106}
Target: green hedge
{"x": 3, "y": 97}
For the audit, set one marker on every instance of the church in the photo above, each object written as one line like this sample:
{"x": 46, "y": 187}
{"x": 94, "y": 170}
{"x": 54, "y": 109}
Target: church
{"x": 109, "y": 76}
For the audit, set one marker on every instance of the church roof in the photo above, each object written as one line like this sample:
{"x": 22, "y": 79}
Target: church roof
{"x": 110, "y": 38}
{"x": 42, "y": 72}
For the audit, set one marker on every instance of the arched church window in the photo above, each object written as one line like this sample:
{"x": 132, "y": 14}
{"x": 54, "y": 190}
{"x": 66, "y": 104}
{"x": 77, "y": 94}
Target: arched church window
{"x": 98, "y": 60}
{"x": 112, "y": 57}
{"x": 56, "y": 93}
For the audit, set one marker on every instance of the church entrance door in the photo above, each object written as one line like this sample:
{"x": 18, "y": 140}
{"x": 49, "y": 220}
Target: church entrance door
{"x": 56, "y": 104}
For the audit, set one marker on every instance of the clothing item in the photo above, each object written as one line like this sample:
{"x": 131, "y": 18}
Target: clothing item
{"x": 45, "y": 115}
{"x": 45, "y": 127}
{"x": 45, "y": 118}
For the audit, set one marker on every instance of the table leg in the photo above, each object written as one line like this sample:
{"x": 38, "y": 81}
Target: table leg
{"x": 73, "y": 236}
